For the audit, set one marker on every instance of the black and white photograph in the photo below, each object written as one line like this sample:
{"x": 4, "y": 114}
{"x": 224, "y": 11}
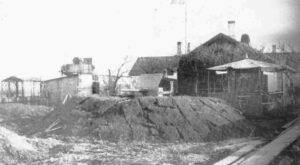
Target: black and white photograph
{"x": 150, "y": 82}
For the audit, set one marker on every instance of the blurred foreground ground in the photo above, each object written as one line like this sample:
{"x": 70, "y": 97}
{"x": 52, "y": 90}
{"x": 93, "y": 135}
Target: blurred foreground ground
{"x": 24, "y": 138}
{"x": 15, "y": 149}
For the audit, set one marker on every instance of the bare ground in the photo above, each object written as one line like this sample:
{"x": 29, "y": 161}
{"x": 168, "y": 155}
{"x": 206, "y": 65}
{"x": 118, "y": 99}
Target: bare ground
{"x": 68, "y": 149}
{"x": 16, "y": 149}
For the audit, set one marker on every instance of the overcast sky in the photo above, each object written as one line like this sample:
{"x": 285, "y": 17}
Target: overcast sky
{"x": 38, "y": 36}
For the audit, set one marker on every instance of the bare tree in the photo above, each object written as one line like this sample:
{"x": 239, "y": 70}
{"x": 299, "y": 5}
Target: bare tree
{"x": 120, "y": 72}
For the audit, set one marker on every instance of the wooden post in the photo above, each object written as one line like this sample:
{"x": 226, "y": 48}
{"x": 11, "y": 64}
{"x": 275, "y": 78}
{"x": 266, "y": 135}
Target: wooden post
{"x": 109, "y": 82}
{"x": 283, "y": 91}
{"x": 23, "y": 95}
{"x": 208, "y": 86}
{"x": 260, "y": 89}
{"x": 171, "y": 88}
{"x": 17, "y": 90}
{"x": 9, "y": 90}
{"x": 197, "y": 77}
{"x": 214, "y": 80}
{"x": 228, "y": 81}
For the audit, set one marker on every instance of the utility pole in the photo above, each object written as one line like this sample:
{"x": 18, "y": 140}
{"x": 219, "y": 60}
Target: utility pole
{"x": 184, "y": 2}
{"x": 185, "y": 26}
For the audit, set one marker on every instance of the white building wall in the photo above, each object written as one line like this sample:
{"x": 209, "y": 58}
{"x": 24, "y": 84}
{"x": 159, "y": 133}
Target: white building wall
{"x": 85, "y": 84}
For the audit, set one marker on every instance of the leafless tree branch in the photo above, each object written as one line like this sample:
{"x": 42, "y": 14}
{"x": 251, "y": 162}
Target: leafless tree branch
{"x": 119, "y": 74}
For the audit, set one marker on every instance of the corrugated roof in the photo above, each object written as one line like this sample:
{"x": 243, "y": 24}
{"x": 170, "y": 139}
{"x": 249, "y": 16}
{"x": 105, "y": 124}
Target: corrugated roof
{"x": 250, "y": 64}
{"x": 150, "y": 65}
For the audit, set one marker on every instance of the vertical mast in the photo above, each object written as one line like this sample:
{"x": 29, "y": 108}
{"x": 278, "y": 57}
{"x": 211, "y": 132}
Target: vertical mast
{"x": 185, "y": 26}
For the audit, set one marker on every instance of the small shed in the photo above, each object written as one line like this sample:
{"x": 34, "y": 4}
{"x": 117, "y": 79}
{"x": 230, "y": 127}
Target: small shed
{"x": 12, "y": 89}
{"x": 251, "y": 85}
{"x": 219, "y": 50}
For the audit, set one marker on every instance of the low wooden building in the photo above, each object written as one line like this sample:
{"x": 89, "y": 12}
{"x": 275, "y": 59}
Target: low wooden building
{"x": 55, "y": 90}
{"x": 14, "y": 89}
{"x": 221, "y": 49}
{"x": 253, "y": 86}
{"x": 268, "y": 89}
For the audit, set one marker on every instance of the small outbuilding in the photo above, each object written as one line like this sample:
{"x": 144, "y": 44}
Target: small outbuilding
{"x": 221, "y": 49}
{"x": 253, "y": 86}
{"x": 12, "y": 89}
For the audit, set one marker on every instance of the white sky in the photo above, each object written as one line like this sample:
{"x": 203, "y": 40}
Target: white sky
{"x": 38, "y": 36}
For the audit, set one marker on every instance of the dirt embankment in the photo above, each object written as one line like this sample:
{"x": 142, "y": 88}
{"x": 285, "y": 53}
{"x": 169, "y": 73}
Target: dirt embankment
{"x": 17, "y": 116}
{"x": 145, "y": 119}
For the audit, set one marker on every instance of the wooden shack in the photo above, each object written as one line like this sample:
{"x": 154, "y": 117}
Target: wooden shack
{"x": 12, "y": 89}
{"x": 221, "y": 49}
{"x": 253, "y": 86}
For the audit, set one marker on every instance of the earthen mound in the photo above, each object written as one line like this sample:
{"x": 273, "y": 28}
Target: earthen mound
{"x": 166, "y": 119}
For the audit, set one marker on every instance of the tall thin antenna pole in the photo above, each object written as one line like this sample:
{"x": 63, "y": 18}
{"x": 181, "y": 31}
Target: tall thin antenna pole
{"x": 185, "y": 26}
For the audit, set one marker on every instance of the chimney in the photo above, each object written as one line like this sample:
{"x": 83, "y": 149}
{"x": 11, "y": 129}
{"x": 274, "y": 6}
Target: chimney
{"x": 245, "y": 39}
{"x": 231, "y": 29}
{"x": 189, "y": 47}
{"x": 178, "y": 48}
{"x": 274, "y": 48}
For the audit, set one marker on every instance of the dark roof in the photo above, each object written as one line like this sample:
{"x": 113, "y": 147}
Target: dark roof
{"x": 220, "y": 38}
{"x": 12, "y": 79}
{"x": 226, "y": 49}
{"x": 150, "y": 65}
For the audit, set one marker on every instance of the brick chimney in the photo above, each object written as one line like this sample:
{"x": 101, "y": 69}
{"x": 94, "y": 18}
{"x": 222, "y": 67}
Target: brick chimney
{"x": 274, "y": 48}
{"x": 189, "y": 47}
{"x": 179, "y": 48}
{"x": 231, "y": 28}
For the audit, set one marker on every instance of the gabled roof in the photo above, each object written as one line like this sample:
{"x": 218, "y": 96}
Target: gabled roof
{"x": 237, "y": 51}
{"x": 150, "y": 65}
{"x": 250, "y": 64}
{"x": 220, "y": 38}
{"x": 12, "y": 79}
